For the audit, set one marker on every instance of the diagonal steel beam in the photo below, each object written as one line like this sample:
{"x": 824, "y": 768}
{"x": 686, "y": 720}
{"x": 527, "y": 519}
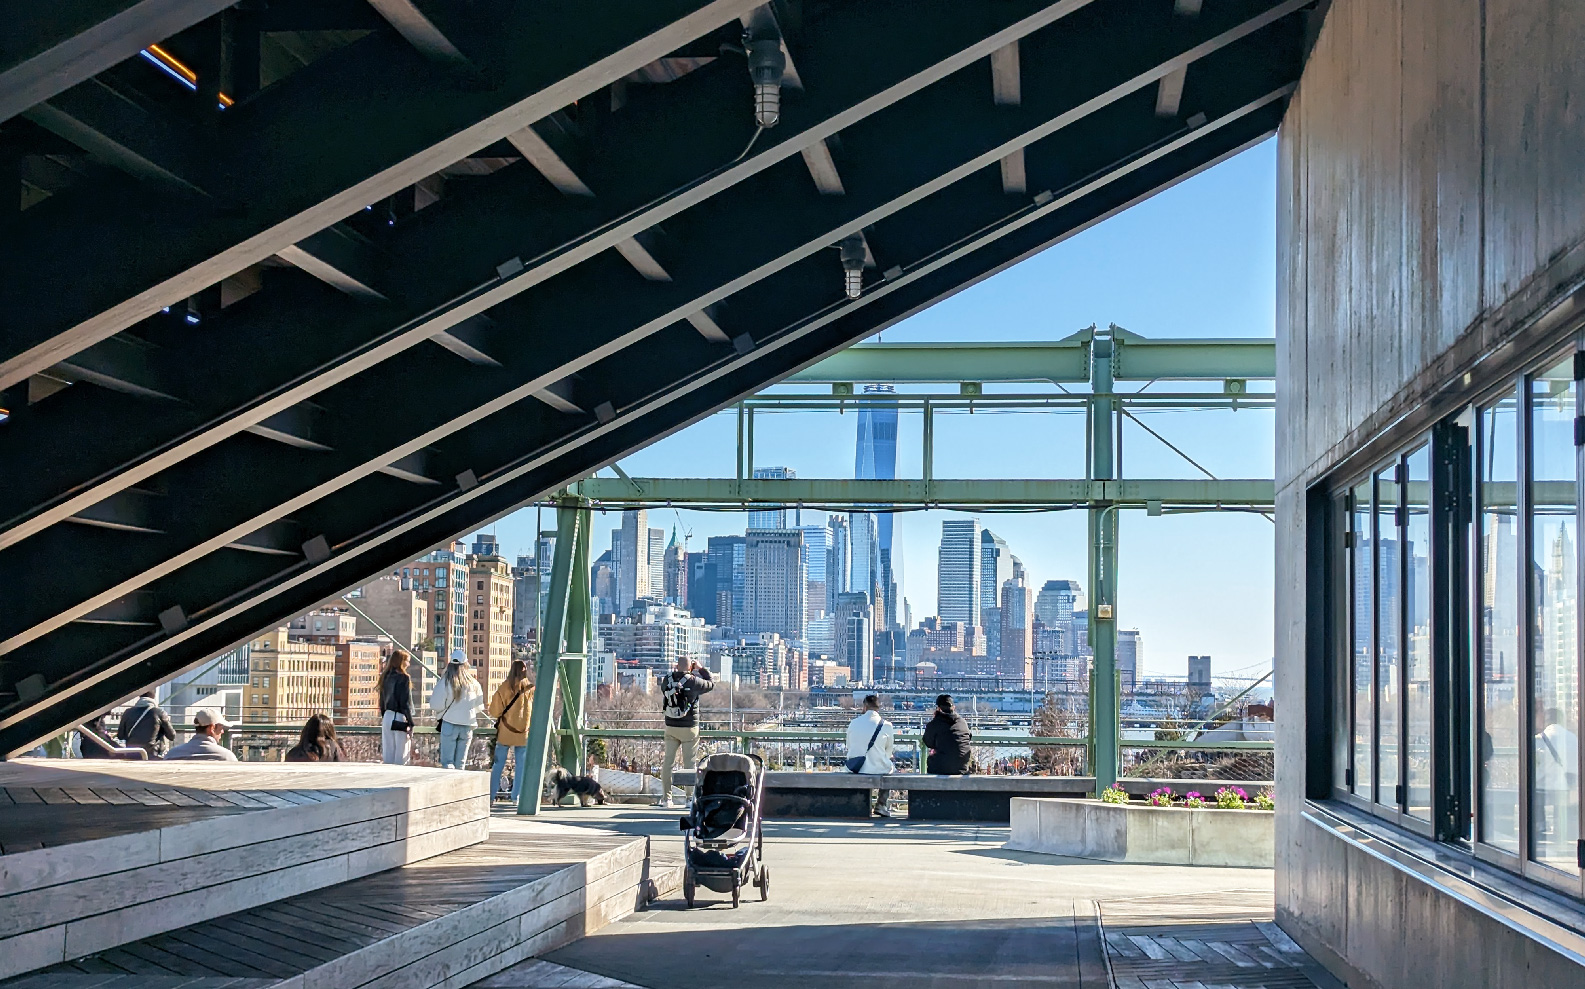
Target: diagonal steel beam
{"x": 646, "y": 159}
{"x": 95, "y": 673}
{"x": 341, "y": 133}
{"x": 267, "y": 484}
{"x": 48, "y": 48}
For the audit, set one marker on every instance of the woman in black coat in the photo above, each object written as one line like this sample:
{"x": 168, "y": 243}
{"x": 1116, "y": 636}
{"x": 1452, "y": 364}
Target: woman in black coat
{"x": 947, "y": 737}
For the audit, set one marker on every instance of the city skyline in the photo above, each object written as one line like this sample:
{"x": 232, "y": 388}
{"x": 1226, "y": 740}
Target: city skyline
{"x": 1204, "y": 265}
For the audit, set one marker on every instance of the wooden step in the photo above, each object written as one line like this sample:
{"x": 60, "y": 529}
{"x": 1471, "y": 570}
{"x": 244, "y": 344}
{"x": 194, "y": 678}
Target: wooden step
{"x": 99, "y": 854}
{"x": 448, "y": 921}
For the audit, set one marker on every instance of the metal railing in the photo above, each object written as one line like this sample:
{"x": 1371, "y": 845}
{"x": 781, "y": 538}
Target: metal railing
{"x": 817, "y": 750}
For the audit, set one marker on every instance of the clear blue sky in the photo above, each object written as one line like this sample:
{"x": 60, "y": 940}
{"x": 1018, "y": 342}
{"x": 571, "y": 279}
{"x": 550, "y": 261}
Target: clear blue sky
{"x": 1198, "y": 260}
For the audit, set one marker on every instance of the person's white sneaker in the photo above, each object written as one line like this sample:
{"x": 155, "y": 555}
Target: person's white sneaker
{"x": 663, "y": 802}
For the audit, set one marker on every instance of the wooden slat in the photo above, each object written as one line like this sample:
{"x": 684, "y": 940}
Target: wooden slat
{"x": 83, "y": 795}
{"x": 113, "y": 795}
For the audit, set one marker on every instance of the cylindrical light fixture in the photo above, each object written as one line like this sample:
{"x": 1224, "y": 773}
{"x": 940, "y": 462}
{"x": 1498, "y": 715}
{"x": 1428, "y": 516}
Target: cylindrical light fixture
{"x": 766, "y": 63}
{"x": 853, "y": 265}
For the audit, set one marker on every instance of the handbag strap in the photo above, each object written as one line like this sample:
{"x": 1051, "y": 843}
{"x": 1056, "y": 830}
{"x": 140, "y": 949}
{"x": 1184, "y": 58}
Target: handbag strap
{"x": 143, "y": 712}
{"x": 507, "y": 709}
{"x": 874, "y": 737}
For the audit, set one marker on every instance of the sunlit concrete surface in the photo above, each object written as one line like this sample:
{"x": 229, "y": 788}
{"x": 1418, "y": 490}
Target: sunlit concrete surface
{"x": 897, "y": 903}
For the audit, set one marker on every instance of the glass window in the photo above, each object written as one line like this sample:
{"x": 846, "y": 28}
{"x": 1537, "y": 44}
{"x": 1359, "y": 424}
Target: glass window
{"x": 1554, "y": 657}
{"x": 1388, "y": 603}
{"x": 1364, "y": 611}
{"x": 1417, "y": 634}
{"x": 1498, "y": 620}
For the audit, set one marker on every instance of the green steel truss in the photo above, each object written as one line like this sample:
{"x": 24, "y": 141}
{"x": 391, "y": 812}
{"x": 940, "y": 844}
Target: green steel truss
{"x": 970, "y": 494}
{"x": 1099, "y": 357}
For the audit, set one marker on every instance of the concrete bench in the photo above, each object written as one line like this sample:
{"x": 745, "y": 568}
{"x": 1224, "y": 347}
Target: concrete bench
{"x": 934, "y": 798}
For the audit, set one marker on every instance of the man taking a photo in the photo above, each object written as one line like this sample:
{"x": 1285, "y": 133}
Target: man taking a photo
{"x": 680, "y": 691}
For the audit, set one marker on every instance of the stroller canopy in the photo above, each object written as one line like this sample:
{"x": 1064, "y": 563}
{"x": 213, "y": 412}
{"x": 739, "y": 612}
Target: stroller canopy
{"x": 731, "y": 762}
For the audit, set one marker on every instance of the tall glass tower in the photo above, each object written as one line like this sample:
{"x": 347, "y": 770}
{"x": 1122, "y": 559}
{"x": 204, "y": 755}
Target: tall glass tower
{"x": 875, "y": 458}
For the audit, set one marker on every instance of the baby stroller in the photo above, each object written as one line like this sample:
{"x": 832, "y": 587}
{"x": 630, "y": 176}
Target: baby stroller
{"x": 723, "y": 848}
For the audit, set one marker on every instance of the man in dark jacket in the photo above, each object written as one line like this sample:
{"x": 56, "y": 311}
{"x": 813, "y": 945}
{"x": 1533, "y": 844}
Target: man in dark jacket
{"x": 146, "y": 726}
{"x": 947, "y": 737}
{"x": 680, "y": 691}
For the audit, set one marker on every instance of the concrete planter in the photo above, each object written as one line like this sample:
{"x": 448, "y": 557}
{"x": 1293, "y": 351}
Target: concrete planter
{"x": 1140, "y": 833}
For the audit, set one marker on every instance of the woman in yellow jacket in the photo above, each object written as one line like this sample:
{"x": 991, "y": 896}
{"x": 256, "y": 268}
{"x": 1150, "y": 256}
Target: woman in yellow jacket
{"x": 510, "y": 706}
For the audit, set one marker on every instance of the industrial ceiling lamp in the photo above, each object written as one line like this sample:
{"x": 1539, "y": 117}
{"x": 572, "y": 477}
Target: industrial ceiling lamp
{"x": 853, "y": 265}
{"x": 766, "y": 63}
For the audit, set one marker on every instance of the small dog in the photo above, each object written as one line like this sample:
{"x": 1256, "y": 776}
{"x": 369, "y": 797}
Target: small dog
{"x": 586, "y": 788}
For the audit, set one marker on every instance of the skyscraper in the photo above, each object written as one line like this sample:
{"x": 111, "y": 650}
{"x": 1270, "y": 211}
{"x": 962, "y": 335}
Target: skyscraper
{"x": 676, "y": 572}
{"x": 771, "y": 516}
{"x": 958, "y": 572}
{"x": 817, "y": 549}
{"x": 996, "y": 568}
{"x": 1200, "y": 671}
{"x": 630, "y": 558}
{"x": 441, "y": 578}
{"x": 875, "y": 458}
{"x": 854, "y": 635}
{"x": 864, "y": 564}
{"x": 489, "y": 603}
{"x": 775, "y": 584}
{"x": 992, "y": 617}
{"x": 724, "y": 557}
{"x": 1017, "y": 659}
{"x": 531, "y": 585}
{"x": 839, "y": 557}
{"x": 1057, "y": 601}
{"x": 1130, "y": 652}
{"x": 657, "y": 563}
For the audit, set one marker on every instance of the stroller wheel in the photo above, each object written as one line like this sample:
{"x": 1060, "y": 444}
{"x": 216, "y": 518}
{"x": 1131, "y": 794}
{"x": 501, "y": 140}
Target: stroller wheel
{"x": 764, "y": 884}
{"x": 736, "y": 893}
{"x": 687, "y": 887}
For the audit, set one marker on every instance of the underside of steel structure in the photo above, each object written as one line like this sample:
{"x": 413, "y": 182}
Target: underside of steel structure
{"x": 296, "y": 290}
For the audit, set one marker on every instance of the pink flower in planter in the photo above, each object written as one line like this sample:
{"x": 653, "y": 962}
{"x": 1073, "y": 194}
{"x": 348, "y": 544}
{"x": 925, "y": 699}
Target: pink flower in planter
{"x": 1161, "y": 798}
{"x": 1231, "y": 798}
{"x": 1193, "y": 799}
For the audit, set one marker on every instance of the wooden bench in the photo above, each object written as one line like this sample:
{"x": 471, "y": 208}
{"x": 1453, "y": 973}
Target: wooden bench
{"x": 931, "y": 798}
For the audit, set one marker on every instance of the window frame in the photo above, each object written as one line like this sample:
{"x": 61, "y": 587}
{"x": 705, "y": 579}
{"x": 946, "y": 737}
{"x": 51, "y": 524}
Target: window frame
{"x": 1455, "y": 554}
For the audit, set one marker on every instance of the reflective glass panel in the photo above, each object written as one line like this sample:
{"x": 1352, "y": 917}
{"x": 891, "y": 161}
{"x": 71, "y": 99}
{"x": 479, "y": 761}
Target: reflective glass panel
{"x": 1388, "y": 641}
{"x": 1554, "y": 657}
{"x": 1417, "y": 635}
{"x": 1363, "y": 612}
{"x": 1498, "y": 622}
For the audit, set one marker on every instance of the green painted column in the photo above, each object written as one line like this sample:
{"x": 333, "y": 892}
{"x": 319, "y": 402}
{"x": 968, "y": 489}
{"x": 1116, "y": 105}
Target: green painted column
{"x": 1104, "y": 719}
{"x": 546, "y": 670}
{"x": 574, "y": 661}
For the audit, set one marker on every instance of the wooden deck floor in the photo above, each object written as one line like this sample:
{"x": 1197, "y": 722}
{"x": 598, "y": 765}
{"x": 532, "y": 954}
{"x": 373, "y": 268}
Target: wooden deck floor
{"x": 266, "y": 945}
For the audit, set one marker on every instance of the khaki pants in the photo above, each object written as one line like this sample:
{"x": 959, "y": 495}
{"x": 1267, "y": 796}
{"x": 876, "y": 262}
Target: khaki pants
{"x": 686, "y": 739}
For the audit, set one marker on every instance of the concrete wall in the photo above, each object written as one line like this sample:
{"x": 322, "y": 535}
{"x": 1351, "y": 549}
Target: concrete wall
{"x": 1431, "y": 223}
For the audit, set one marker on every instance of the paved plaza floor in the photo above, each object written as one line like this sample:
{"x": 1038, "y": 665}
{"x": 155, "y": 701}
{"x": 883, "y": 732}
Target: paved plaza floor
{"x": 884, "y": 904}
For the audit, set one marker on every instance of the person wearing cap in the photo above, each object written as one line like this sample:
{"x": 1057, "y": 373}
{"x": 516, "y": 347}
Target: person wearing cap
{"x": 208, "y": 726}
{"x": 456, "y": 701}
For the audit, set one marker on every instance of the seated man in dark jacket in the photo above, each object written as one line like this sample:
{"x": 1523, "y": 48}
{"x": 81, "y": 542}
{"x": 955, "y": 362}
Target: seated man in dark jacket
{"x": 947, "y": 737}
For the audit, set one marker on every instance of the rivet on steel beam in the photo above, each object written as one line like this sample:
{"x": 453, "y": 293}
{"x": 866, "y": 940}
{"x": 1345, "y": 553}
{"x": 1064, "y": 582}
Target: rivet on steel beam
{"x": 173, "y": 619}
{"x": 317, "y": 549}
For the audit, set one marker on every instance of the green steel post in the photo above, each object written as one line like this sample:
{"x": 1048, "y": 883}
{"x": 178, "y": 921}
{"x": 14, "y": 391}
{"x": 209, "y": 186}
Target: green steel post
{"x": 546, "y": 670}
{"x": 1104, "y": 720}
{"x": 574, "y": 661}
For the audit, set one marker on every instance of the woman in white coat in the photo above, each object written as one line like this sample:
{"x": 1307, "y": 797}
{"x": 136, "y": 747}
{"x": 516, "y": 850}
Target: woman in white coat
{"x": 456, "y": 701}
